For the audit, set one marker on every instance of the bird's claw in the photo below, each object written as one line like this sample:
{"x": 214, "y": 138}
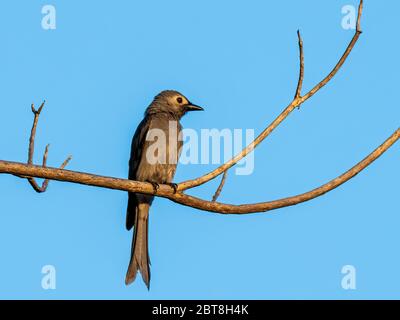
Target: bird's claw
{"x": 173, "y": 186}
{"x": 155, "y": 185}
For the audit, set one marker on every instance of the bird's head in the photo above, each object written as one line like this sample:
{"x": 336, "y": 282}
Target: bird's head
{"x": 172, "y": 102}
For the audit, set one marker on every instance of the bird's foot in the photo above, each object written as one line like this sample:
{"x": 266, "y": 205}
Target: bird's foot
{"x": 155, "y": 185}
{"x": 173, "y": 186}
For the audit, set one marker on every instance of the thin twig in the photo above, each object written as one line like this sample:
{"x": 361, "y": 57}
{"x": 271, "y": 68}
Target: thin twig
{"x": 342, "y": 59}
{"x": 31, "y": 148}
{"x": 285, "y": 113}
{"x": 220, "y": 187}
{"x": 301, "y": 73}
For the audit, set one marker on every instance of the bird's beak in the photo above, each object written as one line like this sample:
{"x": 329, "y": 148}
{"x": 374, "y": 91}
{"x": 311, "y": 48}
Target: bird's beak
{"x": 193, "y": 107}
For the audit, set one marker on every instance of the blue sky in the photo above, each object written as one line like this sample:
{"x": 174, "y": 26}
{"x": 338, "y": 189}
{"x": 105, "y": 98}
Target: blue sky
{"x": 100, "y": 68}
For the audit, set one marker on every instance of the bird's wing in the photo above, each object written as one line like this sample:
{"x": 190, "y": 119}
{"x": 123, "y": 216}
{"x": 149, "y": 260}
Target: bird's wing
{"x": 138, "y": 142}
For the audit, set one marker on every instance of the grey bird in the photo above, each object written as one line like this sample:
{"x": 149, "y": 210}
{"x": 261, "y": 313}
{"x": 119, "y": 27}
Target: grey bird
{"x": 155, "y": 165}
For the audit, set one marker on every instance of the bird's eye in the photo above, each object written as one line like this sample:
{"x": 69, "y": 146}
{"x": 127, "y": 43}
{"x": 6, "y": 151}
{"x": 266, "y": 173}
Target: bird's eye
{"x": 179, "y": 99}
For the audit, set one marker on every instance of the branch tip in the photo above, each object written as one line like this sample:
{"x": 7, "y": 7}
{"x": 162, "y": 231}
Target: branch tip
{"x": 66, "y": 161}
{"x": 46, "y": 152}
{"x": 301, "y": 72}
{"x": 41, "y": 107}
{"x": 360, "y": 11}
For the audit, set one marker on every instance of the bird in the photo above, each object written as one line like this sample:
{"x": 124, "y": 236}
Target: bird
{"x": 154, "y": 166}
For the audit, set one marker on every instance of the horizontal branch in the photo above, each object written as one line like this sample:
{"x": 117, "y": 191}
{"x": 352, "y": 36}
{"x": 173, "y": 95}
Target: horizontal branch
{"x": 167, "y": 191}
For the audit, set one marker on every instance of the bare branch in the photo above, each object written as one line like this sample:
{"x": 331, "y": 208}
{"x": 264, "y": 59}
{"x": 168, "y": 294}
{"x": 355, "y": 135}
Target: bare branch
{"x": 294, "y": 104}
{"x": 31, "y": 151}
{"x": 31, "y": 171}
{"x": 220, "y": 187}
{"x": 167, "y": 191}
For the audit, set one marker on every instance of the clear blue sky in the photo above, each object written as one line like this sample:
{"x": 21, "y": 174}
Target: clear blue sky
{"x": 101, "y": 67}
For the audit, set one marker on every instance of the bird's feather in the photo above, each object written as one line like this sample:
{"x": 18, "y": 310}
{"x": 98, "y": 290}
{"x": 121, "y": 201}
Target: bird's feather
{"x": 138, "y": 142}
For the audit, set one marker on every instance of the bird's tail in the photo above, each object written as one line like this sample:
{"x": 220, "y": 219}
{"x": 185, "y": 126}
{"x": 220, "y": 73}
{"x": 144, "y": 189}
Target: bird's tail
{"x": 139, "y": 254}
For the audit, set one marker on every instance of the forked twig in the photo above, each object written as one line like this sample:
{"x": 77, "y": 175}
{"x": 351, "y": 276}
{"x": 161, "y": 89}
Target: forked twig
{"x": 296, "y": 102}
{"x": 31, "y": 151}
